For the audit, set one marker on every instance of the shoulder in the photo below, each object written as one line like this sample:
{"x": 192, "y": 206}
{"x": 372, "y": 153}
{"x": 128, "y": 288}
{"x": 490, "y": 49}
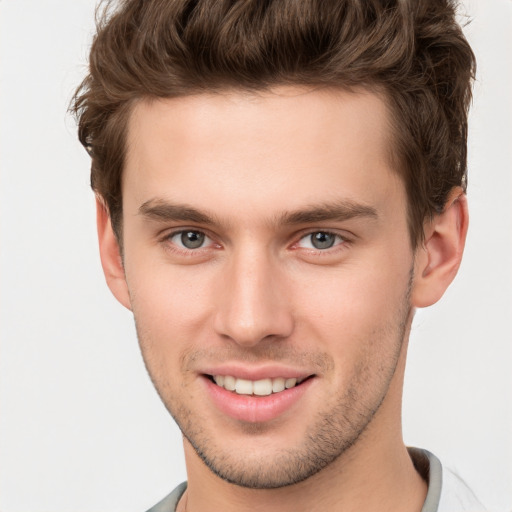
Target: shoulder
{"x": 447, "y": 491}
{"x": 457, "y": 496}
{"x": 170, "y": 502}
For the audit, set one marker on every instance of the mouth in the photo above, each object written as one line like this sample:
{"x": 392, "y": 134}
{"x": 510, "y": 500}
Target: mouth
{"x": 261, "y": 399}
{"x": 261, "y": 387}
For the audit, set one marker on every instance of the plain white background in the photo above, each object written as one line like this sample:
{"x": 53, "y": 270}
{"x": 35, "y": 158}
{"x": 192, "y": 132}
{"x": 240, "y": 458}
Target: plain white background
{"x": 81, "y": 429}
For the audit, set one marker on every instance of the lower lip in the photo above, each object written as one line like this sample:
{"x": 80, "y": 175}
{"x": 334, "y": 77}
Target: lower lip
{"x": 255, "y": 409}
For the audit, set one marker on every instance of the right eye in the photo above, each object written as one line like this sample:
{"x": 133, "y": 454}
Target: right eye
{"x": 190, "y": 239}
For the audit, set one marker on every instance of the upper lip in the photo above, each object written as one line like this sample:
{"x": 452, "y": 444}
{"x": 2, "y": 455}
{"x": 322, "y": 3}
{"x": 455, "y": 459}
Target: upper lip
{"x": 256, "y": 372}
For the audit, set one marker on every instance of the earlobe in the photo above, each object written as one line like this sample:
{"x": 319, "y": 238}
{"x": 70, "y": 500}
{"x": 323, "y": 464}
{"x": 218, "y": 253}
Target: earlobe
{"x": 110, "y": 255}
{"x": 438, "y": 259}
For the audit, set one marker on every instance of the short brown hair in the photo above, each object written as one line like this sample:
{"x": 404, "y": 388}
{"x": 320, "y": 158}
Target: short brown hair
{"x": 411, "y": 50}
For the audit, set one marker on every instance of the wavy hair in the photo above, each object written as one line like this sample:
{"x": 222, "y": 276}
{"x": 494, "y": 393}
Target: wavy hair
{"x": 411, "y": 51}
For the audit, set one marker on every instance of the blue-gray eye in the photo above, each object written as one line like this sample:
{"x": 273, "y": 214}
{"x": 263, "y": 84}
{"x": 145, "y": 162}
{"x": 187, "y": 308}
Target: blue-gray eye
{"x": 189, "y": 239}
{"x": 320, "y": 240}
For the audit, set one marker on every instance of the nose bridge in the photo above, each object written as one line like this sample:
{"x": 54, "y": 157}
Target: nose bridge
{"x": 253, "y": 304}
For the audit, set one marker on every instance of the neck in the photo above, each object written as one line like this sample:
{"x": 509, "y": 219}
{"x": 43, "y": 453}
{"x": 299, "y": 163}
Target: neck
{"x": 362, "y": 482}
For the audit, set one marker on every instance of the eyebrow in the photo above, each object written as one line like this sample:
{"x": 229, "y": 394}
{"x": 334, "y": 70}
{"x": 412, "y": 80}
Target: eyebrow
{"x": 165, "y": 211}
{"x": 159, "y": 209}
{"x": 338, "y": 211}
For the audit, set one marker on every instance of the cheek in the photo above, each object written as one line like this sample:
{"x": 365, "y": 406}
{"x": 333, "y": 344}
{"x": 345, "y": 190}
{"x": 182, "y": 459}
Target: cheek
{"x": 356, "y": 311}
{"x": 170, "y": 305}
{"x": 171, "y": 320}
{"x": 353, "y": 295}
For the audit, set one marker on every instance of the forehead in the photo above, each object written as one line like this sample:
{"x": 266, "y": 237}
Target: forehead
{"x": 261, "y": 152}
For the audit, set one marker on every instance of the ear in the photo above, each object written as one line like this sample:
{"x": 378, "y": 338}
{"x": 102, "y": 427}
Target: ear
{"x": 110, "y": 255}
{"x": 438, "y": 259}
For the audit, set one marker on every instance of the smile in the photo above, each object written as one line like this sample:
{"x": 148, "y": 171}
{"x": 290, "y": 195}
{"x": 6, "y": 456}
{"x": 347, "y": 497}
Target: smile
{"x": 262, "y": 387}
{"x": 256, "y": 400}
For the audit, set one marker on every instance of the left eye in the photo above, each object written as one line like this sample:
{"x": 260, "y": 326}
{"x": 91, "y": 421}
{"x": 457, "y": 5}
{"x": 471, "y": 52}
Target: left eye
{"x": 320, "y": 240}
{"x": 190, "y": 239}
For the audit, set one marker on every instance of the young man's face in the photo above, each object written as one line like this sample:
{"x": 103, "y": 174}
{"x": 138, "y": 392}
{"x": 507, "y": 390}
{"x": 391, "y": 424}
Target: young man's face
{"x": 265, "y": 240}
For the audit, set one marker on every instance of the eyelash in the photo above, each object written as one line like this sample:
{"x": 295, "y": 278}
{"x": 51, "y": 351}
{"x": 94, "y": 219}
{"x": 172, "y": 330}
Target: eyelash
{"x": 343, "y": 242}
{"x": 166, "y": 240}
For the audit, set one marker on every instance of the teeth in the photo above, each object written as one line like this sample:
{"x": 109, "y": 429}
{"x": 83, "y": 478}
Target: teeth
{"x": 290, "y": 383}
{"x": 263, "y": 387}
{"x": 243, "y": 387}
{"x": 278, "y": 385}
{"x": 229, "y": 383}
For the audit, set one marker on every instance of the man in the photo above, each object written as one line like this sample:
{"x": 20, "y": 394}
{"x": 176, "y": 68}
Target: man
{"x": 279, "y": 186}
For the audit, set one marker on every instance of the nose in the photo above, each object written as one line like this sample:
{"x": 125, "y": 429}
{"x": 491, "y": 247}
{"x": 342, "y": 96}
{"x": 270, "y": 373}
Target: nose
{"x": 253, "y": 304}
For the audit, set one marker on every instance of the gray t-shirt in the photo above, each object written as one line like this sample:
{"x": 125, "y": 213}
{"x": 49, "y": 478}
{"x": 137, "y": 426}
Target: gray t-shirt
{"x": 447, "y": 492}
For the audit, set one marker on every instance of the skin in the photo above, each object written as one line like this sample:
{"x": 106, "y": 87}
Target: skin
{"x": 258, "y": 174}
